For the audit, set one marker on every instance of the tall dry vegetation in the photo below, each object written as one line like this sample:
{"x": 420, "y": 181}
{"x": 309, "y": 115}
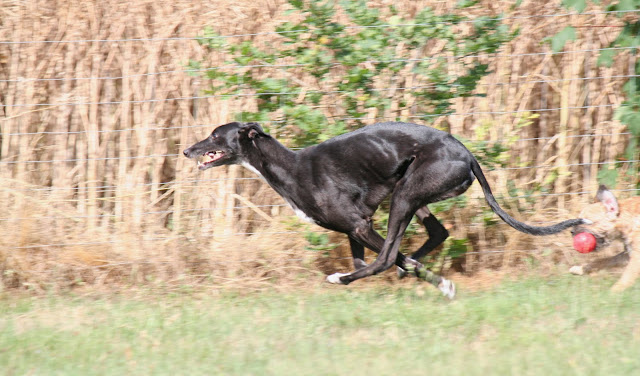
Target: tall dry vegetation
{"x": 94, "y": 119}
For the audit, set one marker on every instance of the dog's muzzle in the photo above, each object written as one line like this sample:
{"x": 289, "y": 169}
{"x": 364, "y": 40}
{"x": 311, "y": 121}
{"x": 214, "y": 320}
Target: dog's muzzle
{"x": 204, "y": 160}
{"x": 208, "y": 158}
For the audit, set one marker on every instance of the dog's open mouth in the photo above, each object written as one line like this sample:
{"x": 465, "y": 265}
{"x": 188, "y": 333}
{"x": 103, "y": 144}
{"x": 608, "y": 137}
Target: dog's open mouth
{"x": 208, "y": 158}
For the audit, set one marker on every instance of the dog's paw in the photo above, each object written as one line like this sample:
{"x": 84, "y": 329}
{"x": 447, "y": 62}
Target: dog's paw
{"x": 401, "y": 273}
{"x": 577, "y": 270}
{"x": 448, "y": 288}
{"x": 335, "y": 278}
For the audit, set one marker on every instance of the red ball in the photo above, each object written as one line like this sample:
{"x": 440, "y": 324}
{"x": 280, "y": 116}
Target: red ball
{"x": 584, "y": 242}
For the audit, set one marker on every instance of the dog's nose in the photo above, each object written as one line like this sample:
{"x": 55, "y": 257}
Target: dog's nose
{"x": 186, "y": 153}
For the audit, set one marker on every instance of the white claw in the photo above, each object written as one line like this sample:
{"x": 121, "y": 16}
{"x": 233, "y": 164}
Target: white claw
{"x": 577, "y": 270}
{"x": 335, "y": 278}
{"x": 448, "y": 288}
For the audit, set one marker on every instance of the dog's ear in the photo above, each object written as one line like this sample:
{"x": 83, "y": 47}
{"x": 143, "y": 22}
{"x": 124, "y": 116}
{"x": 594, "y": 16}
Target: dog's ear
{"x": 252, "y": 130}
{"x": 606, "y": 197}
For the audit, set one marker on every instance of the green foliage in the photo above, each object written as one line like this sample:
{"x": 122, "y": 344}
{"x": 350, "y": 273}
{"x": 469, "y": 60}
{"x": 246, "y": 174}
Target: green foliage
{"x": 629, "y": 112}
{"x": 451, "y": 250}
{"x": 578, "y": 5}
{"x": 624, "y": 5}
{"x": 322, "y": 77}
{"x": 608, "y": 176}
{"x": 559, "y": 40}
{"x": 318, "y": 242}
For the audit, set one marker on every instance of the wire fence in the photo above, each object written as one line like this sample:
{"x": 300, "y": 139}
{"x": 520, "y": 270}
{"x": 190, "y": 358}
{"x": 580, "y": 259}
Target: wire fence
{"x": 553, "y": 15}
{"x": 38, "y": 114}
{"x": 406, "y": 60}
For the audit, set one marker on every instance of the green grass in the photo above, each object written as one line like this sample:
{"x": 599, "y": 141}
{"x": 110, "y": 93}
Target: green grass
{"x": 561, "y": 326}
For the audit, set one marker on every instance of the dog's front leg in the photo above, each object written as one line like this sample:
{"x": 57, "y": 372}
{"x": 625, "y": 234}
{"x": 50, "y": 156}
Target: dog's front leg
{"x": 357, "y": 252}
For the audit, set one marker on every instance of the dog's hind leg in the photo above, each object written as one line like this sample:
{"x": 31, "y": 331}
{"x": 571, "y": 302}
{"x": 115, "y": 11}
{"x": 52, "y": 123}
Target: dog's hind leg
{"x": 436, "y": 231}
{"x": 365, "y": 235}
{"x": 357, "y": 252}
{"x": 437, "y": 235}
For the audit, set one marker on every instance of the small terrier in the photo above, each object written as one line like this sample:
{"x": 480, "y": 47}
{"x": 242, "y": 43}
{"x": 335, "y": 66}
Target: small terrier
{"x": 613, "y": 220}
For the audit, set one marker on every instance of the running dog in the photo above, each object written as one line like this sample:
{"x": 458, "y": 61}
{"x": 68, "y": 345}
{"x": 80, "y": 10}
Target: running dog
{"x": 613, "y": 220}
{"x": 339, "y": 184}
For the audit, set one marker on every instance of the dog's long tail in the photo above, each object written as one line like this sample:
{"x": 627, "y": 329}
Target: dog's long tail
{"x": 523, "y": 227}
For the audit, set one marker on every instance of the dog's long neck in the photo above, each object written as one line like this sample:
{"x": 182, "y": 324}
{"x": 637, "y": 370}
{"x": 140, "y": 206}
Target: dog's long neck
{"x": 273, "y": 161}
{"x": 277, "y": 165}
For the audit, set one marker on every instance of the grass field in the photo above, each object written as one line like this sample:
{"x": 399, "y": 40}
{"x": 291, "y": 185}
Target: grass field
{"x": 556, "y": 326}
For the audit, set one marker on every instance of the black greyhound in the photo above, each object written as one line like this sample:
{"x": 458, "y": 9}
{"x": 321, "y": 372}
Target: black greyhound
{"x": 339, "y": 184}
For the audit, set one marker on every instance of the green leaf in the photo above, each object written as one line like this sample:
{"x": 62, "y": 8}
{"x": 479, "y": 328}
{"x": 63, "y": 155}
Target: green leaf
{"x": 466, "y": 3}
{"x": 194, "y": 68}
{"x": 559, "y": 40}
{"x": 608, "y": 176}
{"x": 252, "y": 116}
{"x": 632, "y": 149}
{"x": 330, "y": 54}
{"x": 273, "y": 85}
{"x": 630, "y": 117}
{"x": 457, "y": 248}
{"x": 318, "y": 242}
{"x": 578, "y": 5}
{"x": 631, "y": 89}
{"x": 298, "y": 4}
{"x": 606, "y": 57}
{"x": 625, "y": 5}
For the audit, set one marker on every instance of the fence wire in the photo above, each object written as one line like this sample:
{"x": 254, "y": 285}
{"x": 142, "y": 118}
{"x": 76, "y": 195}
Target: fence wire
{"x": 244, "y": 35}
{"x": 106, "y": 189}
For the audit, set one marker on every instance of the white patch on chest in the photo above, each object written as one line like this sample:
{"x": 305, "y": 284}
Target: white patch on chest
{"x": 295, "y": 209}
{"x": 303, "y": 216}
{"x": 248, "y": 166}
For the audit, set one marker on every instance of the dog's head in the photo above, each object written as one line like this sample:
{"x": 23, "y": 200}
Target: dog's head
{"x": 603, "y": 216}
{"x": 226, "y": 145}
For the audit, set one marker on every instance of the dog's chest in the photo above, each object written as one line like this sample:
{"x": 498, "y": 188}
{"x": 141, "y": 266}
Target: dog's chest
{"x": 248, "y": 166}
{"x": 284, "y": 195}
{"x": 301, "y": 215}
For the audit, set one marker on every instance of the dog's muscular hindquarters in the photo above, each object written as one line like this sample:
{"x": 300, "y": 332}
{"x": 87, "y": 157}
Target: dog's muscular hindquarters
{"x": 613, "y": 220}
{"x": 340, "y": 183}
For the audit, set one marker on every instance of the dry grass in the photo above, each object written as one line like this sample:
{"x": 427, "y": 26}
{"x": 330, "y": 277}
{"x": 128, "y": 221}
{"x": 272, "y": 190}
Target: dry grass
{"x": 119, "y": 205}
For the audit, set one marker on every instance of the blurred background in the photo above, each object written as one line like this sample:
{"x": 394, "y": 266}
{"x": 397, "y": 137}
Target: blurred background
{"x": 98, "y": 100}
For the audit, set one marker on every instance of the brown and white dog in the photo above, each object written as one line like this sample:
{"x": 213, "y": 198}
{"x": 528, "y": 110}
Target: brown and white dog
{"x": 613, "y": 220}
